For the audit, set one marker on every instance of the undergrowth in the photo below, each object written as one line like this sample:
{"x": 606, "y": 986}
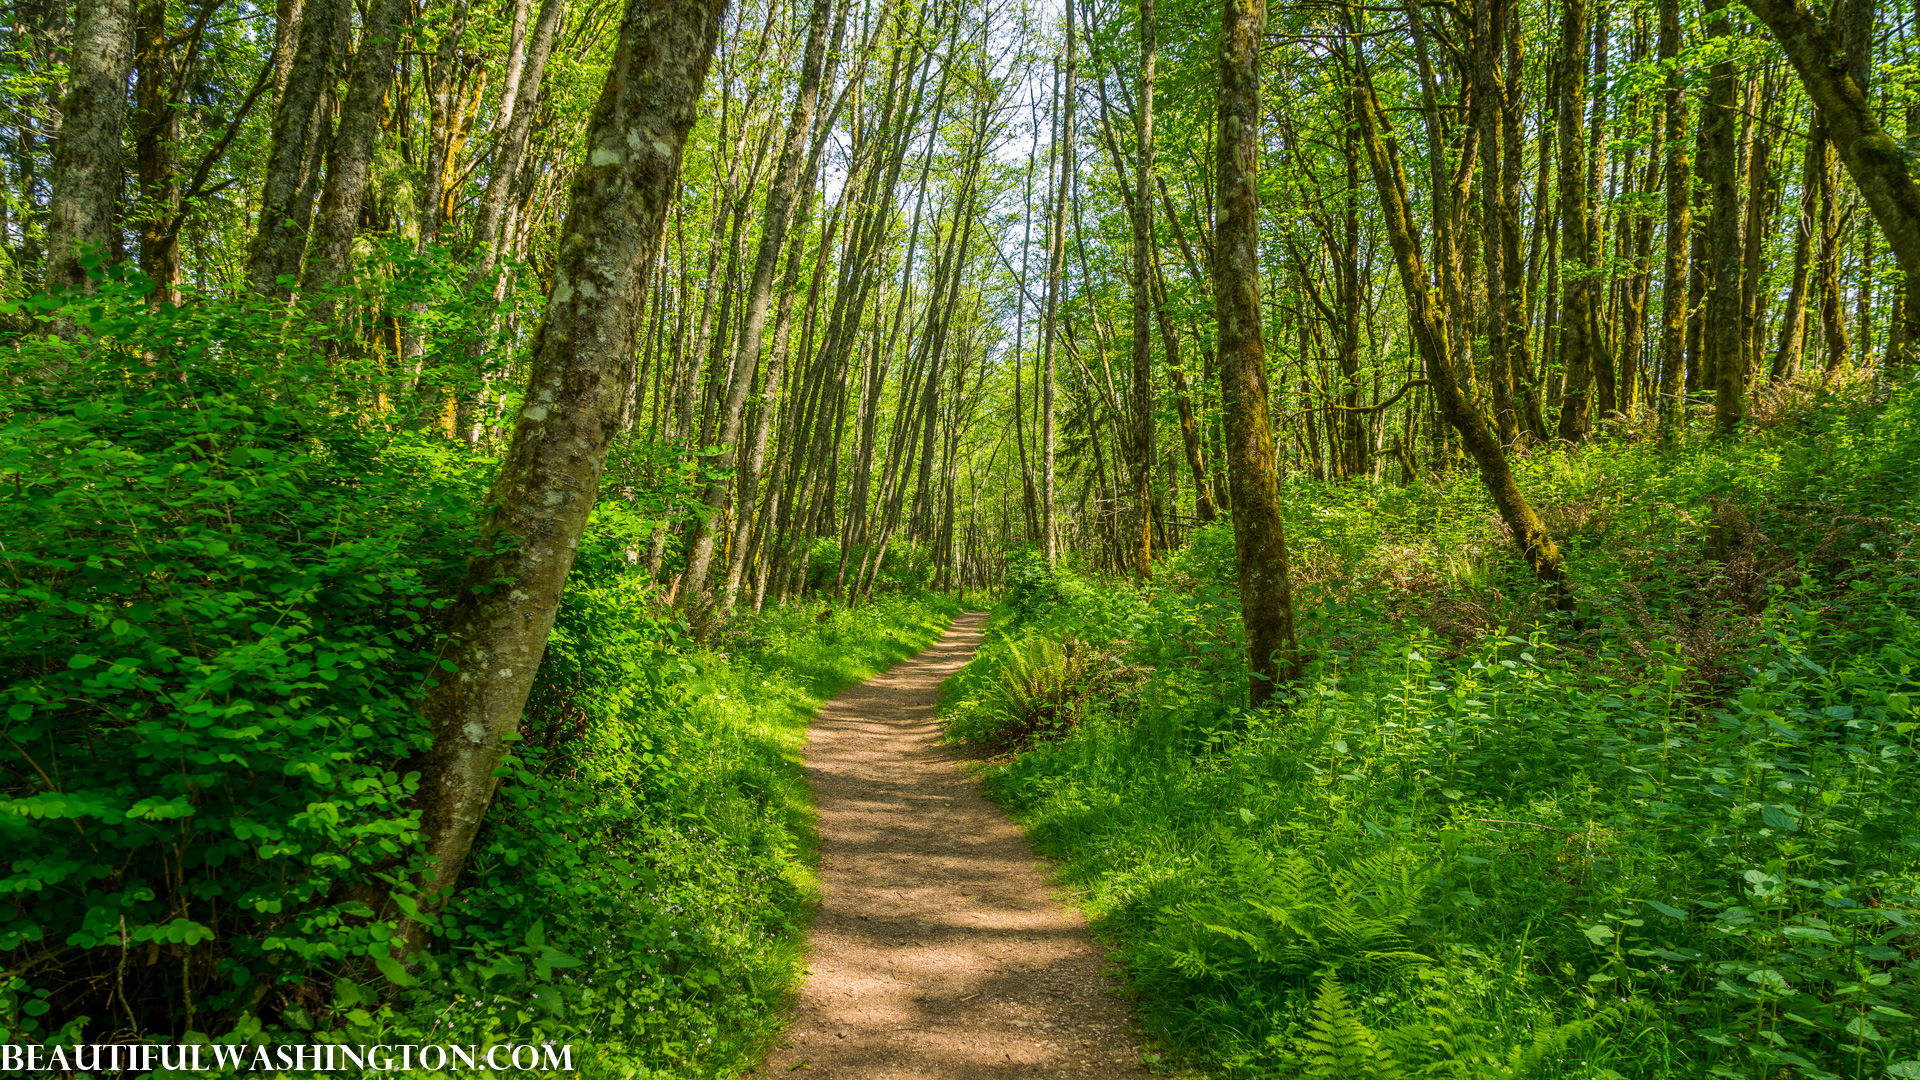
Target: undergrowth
{"x": 218, "y": 599}
{"x": 1681, "y": 840}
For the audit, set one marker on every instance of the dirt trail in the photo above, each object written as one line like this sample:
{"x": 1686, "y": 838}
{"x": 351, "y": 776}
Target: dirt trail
{"x": 941, "y": 951}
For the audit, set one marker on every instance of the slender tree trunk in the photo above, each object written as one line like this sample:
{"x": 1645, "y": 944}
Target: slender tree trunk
{"x": 1793, "y": 320}
{"x": 1490, "y": 104}
{"x": 1143, "y": 396}
{"x": 550, "y": 475}
{"x": 86, "y": 159}
{"x": 1578, "y": 318}
{"x": 156, "y": 157}
{"x": 1259, "y": 535}
{"x": 1428, "y": 324}
{"x": 787, "y": 181}
{"x": 1721, "y": 172}
{"x": 1056, "y": 270}
{"x": 511, "y": 145}
{"x": 330, "y": 253}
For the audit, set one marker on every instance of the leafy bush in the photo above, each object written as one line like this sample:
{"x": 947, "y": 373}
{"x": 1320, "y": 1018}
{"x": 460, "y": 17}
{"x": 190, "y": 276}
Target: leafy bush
{"x": 219, "y": 604}
{"x": 217, "y": 609}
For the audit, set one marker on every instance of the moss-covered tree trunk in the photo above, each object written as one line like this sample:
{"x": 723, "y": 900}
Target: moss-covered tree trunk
{"x": 1720, "y": 140}
{"x": 1260, "y": 544}
{"x": 286, "y": 196}
{"x": 1428, "y": 324}
{"x": 550, "y": 476}
{"x": 350, "y": 160}
{"x": 1872, "y": 157}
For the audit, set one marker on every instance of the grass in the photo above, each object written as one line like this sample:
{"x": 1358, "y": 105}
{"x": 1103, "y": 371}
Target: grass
{"x": 1476, "y": 842}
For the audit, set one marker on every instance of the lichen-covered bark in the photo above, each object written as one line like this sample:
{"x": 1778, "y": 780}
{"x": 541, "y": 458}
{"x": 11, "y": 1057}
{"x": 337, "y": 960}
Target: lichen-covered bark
{"x": 86, "y": 159}
{"x": 550, "y": 477}
{"x": 1428, "y": 324}
{"x": 280, "y": 234}
{"x": 348, "y": 163}
{"x": 1872, "y": 157}
{"x": 1259, "y": 537}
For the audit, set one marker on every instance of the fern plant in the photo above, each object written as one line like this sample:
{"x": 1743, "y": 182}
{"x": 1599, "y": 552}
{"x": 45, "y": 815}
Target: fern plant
{"x": 1340, "y": 1047}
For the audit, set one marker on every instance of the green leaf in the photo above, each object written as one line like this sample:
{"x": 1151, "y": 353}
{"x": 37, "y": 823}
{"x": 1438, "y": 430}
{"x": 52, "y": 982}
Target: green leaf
{"x": 1669, "y": 912}
{"x": 394, "y": 971}
{"x": 1777, "y": 817}
{"x": 1599, "y": 935}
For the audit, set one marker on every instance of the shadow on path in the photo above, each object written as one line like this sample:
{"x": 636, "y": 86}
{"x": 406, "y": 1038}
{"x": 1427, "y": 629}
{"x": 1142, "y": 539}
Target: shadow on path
{"x": 941, "y": 951}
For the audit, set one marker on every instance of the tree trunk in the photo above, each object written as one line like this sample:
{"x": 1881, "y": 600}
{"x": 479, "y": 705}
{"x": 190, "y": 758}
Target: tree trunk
{"x": 1578, "y": 318}
{"x": 1428, "y": 324}
{"x": 330, "y": 253}
{"x": 1872, "y": 157}
{"x": 1793, "y": 320}
{"x": 1721, "y": 171}
{"x": 86, "y": 160}
{"x": 773, "y": 235}
{"x": 511, "y": 146}
{"x": 1490, "y": 103}
{"x": 1259, "y": 536}
{"x": 280, "y": 234}
{"x": 550, "y": 475}
{"x": 1056, "y": 269}
{"x": 156, "y": 139}
{"x": 1142, "y": 396}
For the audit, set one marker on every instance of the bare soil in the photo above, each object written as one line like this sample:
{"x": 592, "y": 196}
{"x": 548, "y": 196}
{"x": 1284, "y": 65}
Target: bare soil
{"x": 942, "y": 949}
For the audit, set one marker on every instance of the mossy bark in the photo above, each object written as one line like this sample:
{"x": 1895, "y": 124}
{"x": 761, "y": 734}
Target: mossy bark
{"x": 1428, "y": 324}
{"x": 1266, "y": 596}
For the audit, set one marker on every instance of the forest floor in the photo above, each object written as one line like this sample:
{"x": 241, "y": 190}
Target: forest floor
{"x": 943, "y": 948}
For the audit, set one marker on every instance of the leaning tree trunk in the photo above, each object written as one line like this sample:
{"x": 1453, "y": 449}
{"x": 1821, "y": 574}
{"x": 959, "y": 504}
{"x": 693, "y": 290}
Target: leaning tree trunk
{"x": 548, "y": 481}
{"x": 86, "y": 160}
{"x": 1259, "y": 537}
{"x": 1428, "y": 324}
{"x": 1872, "y": 157}
{"x": 351, "y": 159}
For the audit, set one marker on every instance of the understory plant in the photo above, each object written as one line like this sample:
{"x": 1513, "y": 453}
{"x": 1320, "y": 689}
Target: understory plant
{"x": 219, "y": 589}
{"x": 1677, "y": 839}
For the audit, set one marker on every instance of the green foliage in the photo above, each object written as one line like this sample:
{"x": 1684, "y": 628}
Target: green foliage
{"x": 1678, "y": 842}
{"x": 1341, "y": 1046}
{"x": 218, "y": 606}
{"x": 219, "y": 596}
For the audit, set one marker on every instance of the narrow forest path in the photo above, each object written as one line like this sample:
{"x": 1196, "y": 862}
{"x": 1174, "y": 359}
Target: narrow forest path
{"x": 941, "y": 951}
